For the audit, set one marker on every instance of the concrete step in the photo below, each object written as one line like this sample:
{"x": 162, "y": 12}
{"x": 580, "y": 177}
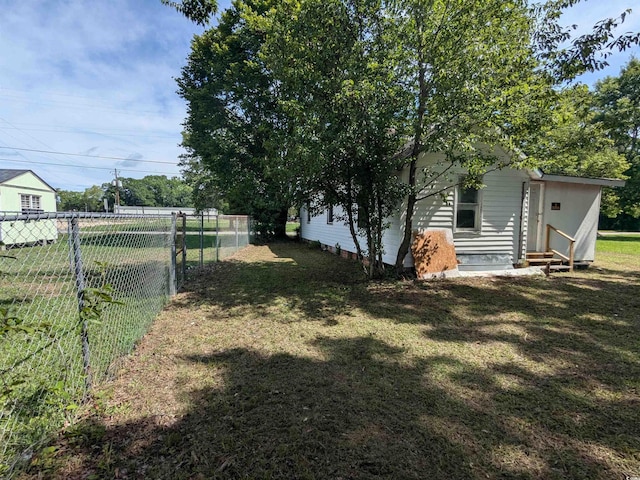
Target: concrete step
{"x": 559, "y": 268}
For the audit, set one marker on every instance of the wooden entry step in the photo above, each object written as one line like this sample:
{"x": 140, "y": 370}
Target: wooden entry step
{"x": 543, "y": 258}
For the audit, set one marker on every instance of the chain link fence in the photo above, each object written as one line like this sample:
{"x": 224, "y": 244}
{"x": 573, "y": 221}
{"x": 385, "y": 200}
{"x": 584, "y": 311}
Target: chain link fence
{"x": 77, "y": 291}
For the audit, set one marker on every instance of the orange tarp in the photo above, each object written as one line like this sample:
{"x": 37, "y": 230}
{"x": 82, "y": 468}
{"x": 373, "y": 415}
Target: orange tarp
{"x": 433, "y": 252}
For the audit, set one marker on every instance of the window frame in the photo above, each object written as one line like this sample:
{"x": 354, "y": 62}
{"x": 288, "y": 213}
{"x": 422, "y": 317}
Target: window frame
{"x": 330, "y": 215}
{"x": 476, "y": 207}
{"x": 31, "y": 203}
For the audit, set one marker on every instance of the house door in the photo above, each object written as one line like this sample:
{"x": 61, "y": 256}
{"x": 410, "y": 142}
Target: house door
{"x": 534, "y": 225}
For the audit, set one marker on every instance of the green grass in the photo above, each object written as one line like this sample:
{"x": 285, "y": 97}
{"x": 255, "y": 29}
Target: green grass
{"x": 292, "y": 227}
{"x": 286, "y": 363}
{"x": 619, "y": 250}
{"x": 620, "y": 244}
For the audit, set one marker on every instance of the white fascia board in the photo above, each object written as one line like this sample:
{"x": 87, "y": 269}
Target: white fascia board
{"x": 603, "y": 182}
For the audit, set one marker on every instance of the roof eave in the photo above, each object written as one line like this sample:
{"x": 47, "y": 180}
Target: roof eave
{"x": 602, "y": 182}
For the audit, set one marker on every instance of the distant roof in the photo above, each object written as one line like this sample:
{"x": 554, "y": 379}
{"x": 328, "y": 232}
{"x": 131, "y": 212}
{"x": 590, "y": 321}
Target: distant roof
{"x": 7, "y": 174}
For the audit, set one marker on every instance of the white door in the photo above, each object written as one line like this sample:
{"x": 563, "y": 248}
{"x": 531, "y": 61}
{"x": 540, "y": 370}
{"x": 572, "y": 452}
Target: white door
{"x": 535, "y": 218}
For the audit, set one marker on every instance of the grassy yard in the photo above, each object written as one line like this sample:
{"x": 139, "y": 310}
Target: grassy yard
{"x": 41, "y": 372}
{"x": 285, "y": 363}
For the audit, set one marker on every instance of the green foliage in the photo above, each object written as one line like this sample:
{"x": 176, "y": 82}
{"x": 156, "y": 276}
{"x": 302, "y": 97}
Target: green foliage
{"x": 11, "y": 323}
{"x": 564, "y": 56}
{"x": 198, "y": 11}
{"x": 91, "y": 200}
{"x": 234, "y": 132}
{"x": 575, "y": 143}
{"x": 151, "y": 191}
{"x": 347, "y": 109}
{"x": 95, "y": 299}
{"x": 617, "y": 102}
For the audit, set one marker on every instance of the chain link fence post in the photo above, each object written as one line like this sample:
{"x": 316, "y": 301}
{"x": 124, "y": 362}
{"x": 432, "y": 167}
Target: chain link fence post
{"x": 173, "y": 280}
{"x": 184, "y": 247}
{"x": 201, "y": 239}
{"x": 235, "y": 221}
{"x": 80, "y": 288}
{"x": 217, "y": 238}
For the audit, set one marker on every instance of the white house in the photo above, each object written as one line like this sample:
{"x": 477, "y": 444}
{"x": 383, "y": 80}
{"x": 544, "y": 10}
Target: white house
{"x": 493, "y": 227}
{"x": 24, "y": 192}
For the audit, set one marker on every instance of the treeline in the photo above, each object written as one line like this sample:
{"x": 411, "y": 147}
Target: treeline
{"x": 594, "y": 133}
{"x": 150, "y": 191}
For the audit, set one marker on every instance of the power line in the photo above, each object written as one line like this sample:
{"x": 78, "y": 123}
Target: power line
{"x": 82, "y": 166}
{"x": 89, "y": 156}
{"x": 94, "y": 100}
{"x": 92, "y": 132}
{"x": 59, "y": 103}
{"x": 25, "y": 133}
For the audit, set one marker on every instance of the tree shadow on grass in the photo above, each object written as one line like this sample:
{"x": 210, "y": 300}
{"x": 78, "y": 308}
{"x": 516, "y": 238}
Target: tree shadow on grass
{"x": 360, "y": 413}
{"x": 314, "y": 284}
{"x": 533, "y": 378}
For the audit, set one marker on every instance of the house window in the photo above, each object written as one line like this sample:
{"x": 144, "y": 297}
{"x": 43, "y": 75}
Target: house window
{"x": 30, "y": 203}
{"x": 25, "y": 202}
{"x": 308, "y": 213}
{"x": 467, "y": 210}
{"x": 330, "y": 214}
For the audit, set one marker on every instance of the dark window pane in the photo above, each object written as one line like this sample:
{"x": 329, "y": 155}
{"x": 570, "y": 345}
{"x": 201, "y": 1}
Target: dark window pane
{"x": 468, "y": 195}
{"x": 466, "y": 219}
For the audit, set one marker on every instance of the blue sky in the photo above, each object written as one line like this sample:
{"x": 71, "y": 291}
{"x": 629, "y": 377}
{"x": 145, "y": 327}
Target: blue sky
{"x": 97, "y": 78}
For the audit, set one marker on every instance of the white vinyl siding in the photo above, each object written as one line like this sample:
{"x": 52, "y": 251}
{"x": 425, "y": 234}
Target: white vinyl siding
{"x": 501, "y": 210}
{"x": 500, "y": 230}
{"x": 333, "y": 234}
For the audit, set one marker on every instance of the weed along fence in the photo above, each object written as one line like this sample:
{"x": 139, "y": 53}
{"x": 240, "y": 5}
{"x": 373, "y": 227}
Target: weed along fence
{"x": 77, "y": 291}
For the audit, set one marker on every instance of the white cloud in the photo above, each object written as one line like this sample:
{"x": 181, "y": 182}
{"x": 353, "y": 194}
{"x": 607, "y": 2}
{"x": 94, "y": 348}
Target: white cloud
{"x": 79, "y": 77}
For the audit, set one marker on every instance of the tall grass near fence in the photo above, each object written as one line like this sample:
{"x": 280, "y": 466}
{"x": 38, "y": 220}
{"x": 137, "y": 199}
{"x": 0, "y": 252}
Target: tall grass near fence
{"x": 50, "y": 354}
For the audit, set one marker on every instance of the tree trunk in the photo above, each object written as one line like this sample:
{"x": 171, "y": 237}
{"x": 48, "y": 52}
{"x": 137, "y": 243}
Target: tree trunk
{"x": 403, "y": 249}
{"x": 280, "y": 227}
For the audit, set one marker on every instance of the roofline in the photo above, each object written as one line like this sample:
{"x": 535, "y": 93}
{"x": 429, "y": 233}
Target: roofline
{"x": 602, "y": 182}
{"x": 34, "y": 174}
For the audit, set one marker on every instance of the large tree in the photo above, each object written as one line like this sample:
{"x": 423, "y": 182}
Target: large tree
{"x": 618, "y": 107}
{"x": 473, "y": 76}
{"x": 335, "y": 62}
{"x": 478, "y": 74}
{"x": 234, "y": 128}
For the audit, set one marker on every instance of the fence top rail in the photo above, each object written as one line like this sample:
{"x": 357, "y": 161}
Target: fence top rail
{"x": 15, "y": 216}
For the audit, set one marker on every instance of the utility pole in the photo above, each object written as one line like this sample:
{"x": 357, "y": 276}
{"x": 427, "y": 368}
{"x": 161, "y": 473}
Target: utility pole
{"x": 116, "y": 183}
